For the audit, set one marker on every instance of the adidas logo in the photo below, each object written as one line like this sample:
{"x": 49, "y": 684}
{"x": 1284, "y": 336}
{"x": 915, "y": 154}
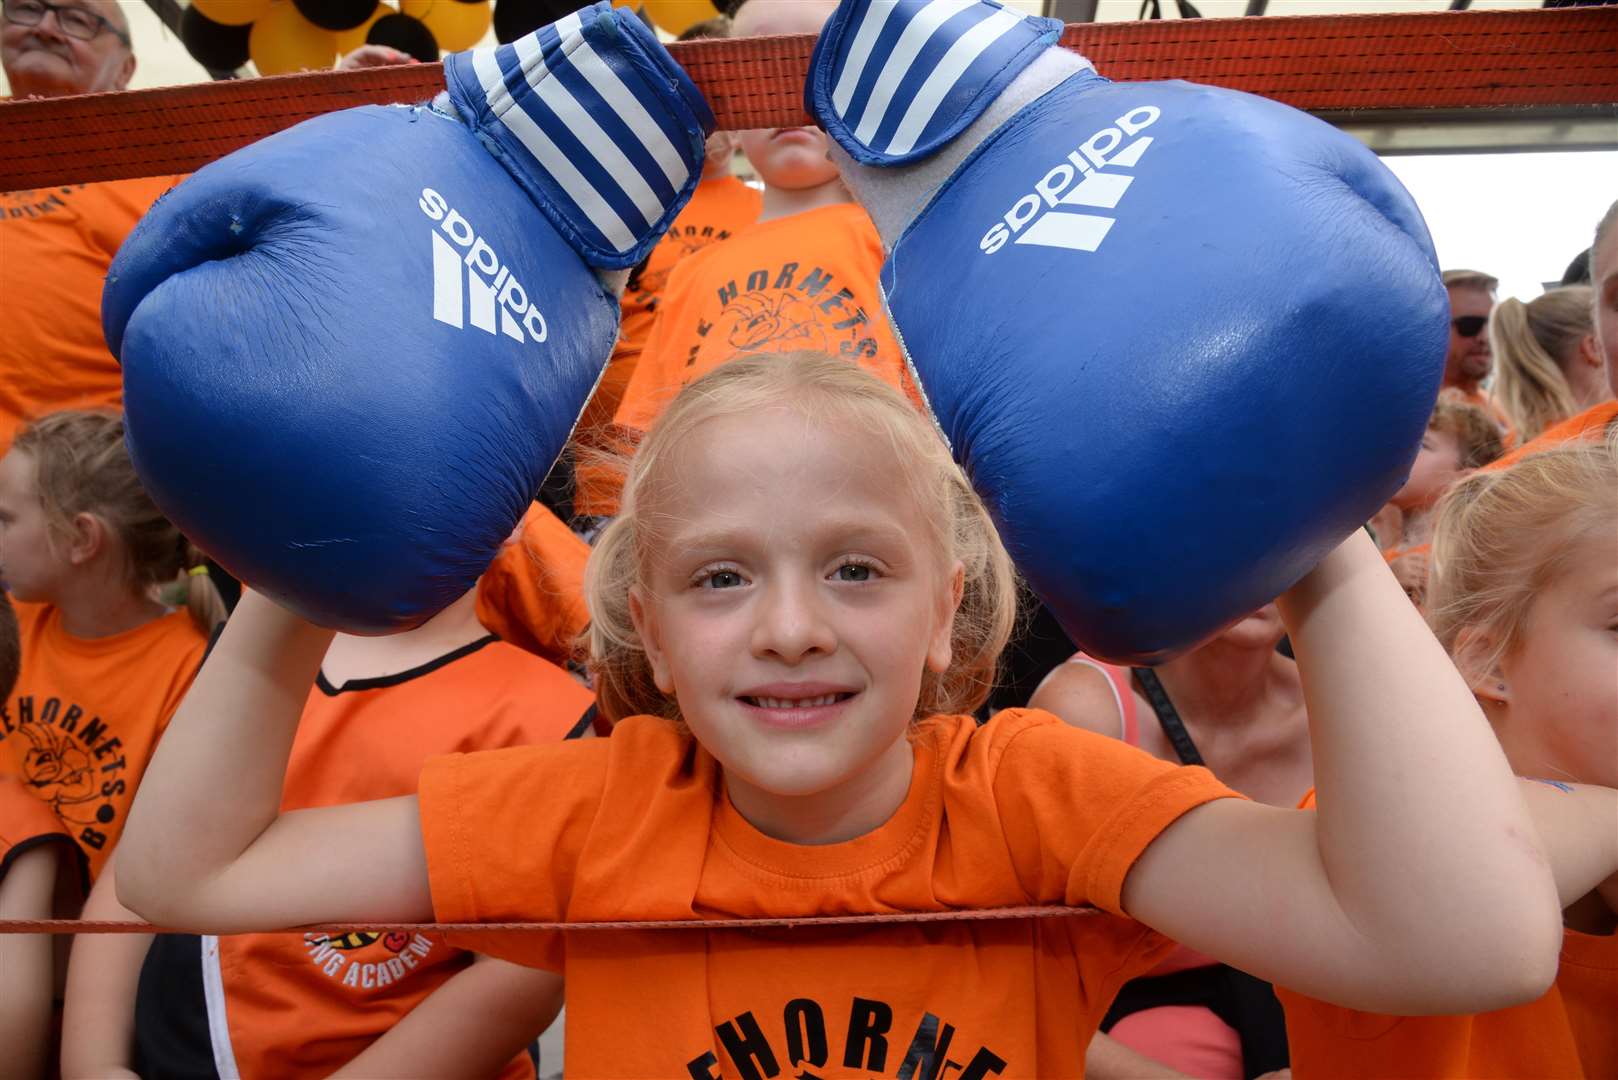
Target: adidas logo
{"x": 1077, "y": 181}
{"x": 470, "y": 285}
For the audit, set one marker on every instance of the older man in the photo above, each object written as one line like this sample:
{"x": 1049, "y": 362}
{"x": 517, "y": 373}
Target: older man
{"x": 59, "y": 241}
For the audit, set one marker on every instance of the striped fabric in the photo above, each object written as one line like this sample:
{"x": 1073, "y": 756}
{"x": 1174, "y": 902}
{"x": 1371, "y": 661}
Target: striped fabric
{"x": 894, "y": 80}
{"x": 596, "y": 122}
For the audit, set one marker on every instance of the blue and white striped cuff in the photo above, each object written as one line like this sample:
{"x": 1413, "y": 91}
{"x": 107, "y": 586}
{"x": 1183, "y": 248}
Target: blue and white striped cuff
{"x": 894, "y": 80}
{"x": 597, "y": 123}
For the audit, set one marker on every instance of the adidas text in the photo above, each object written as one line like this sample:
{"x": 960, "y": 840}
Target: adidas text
{"x": 473, "y": 287}
{"x": 1077, "y": 181}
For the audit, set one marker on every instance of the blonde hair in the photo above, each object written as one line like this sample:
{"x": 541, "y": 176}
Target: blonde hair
{"x": 1476, "y": 434}
{"x": 1503, "y": 536}
{"x": 1529, "y": 342}
{"x": 82, "y": 467}
{"x": 830, "y": 390}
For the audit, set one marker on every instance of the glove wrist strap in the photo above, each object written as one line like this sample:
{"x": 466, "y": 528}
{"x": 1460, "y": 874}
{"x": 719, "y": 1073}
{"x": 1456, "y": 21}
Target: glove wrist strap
{"x": 595, "y": 121}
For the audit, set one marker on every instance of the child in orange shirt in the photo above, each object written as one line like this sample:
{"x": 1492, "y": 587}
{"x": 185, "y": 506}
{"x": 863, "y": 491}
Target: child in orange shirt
{"x": 721, "y": 206}
{"x": 1524, "y": 594}
{"x": 1459, "y": 439}
{"x": 803, "y": 278}
{"x": 362, "y": 1004}
{"x": 799, "y": 604}
{"x": 82, "y": 549}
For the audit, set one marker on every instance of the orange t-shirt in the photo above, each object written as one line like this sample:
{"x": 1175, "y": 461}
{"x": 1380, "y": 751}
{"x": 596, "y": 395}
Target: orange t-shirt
{"x": 305, "y": 1005}
{"x": 55, "y": 247}
{"x": 718, "y": 208}
{"x": 807, "y": 281}
{"x": 1568, "y": 1034}
{"x": 1022, "y": 810}
{"x": 532, "y": 595}
{"x": 1592, "y": 423}
{"x": 27, "y": 823}
{"x": 87, "y": 712}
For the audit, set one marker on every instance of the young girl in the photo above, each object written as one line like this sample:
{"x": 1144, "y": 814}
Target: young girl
{"x": 82, "y": 550}
{"x": 1547, "y": 365}
{"x": 367, "y": 1005}
{"x": 800, "y": 598}
{"x": 1524, "y": 594}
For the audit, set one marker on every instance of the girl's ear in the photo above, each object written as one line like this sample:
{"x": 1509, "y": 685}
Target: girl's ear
{"x": 1590, "y": 351}
{"x": 939, "y": 651}
{"x": 1474, "y": 652}
{"x": 645, "y": 620}
{"x": 89, "y": 538}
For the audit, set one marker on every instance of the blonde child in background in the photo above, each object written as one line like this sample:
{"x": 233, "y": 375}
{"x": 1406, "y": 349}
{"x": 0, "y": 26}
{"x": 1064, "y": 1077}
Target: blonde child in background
{"x": 799, "y": 603}
{"x": 104, "y": 664}
{"x": 1459, "y": 439}
{"x": 721, "y": 206}
{"x": 365, "y": 1005}
{"x": 804, "y": 277}
{"x": 1524, "y": 595}
{"x": 1547, "y": 363}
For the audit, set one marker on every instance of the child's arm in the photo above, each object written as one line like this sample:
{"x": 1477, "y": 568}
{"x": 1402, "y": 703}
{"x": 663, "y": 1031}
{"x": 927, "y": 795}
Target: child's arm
{"x": 1109, "y": 1059}
{"x": 469, "y": 1027}
{"x": 26, "y": 892}
{"x": 1420, "y": 884}
{"x": 206, "y": 849}
{"x": 98, "y": 1018}
{"x": 1578, "y": 826}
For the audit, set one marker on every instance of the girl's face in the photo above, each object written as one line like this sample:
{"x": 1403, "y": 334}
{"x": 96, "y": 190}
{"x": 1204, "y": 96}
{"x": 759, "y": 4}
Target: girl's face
{"x": 1561, "y": 697}
{"x": 1437, "y": 466}
{"x": 29, "y": 565}
{"x": 791, "y": 606}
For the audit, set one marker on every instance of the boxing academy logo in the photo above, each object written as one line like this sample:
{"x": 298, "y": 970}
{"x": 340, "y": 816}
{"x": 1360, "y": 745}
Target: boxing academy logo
{"x": 1042, "y": 216}
{"x": 366, "y": 961}
{"x": 469, "y": 283}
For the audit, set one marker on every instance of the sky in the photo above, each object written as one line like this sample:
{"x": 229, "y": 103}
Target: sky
{"x": 1521, "y": 217}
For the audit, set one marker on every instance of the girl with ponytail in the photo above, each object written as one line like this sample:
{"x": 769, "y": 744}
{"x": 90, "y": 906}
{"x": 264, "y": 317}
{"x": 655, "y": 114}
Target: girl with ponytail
{"x": 1547, "y": 363}
{"x": 87, "y": 557}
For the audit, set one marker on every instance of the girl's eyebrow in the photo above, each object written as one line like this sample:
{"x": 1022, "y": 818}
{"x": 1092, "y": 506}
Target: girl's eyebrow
{"x": 850, "y": 531}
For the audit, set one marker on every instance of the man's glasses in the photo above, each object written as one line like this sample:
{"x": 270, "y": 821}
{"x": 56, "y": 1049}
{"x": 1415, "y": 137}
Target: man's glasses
{"x": 1469, "y": 325}
{"x": 74, "y": 21}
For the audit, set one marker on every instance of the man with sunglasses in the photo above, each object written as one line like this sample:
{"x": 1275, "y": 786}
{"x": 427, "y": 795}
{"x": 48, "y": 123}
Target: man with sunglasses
{"x": 57, "y": 242}
{"x": 1469, "y": 361}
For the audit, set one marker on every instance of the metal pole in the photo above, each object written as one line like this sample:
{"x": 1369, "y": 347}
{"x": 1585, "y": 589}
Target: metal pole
{"x": 1072, "y": 11}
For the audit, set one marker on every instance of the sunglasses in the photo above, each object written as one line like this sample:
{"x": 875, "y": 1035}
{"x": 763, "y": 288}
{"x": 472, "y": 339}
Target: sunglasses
{"x": 1469, "y": 325}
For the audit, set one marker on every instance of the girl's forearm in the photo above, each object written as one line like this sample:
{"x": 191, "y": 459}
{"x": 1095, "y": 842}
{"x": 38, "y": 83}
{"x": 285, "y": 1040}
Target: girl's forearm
{"x": 217, "y": 774}
{"x": 98, "y": 1017}
{"x": 1421, "y": 823}
{"x": 1578, "y": 827}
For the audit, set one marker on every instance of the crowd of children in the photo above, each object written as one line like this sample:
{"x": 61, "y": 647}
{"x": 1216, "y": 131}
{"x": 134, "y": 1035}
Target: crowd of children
{"x": 1333, "y": 839}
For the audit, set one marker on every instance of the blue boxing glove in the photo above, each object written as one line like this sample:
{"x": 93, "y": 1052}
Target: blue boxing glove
{"x": 352, "y": 351}
{"x": 1183, "y": 339}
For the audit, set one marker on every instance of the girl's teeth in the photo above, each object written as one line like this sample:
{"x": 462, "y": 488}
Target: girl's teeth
{"x": 797, "y": 703}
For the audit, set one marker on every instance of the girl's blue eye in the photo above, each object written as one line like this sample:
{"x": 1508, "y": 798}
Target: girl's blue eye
{"x": 723, "y": 579}
{"x": 853, "y": 572}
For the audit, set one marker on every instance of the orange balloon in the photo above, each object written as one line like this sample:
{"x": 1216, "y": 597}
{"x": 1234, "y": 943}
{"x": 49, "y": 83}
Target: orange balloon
{"x": 351, "y": 39}
{"x": 455, "y": 24}
{"x": 678, "y": 16}
{"x": 231, "y": 12}
{"x": 283, "y": 40}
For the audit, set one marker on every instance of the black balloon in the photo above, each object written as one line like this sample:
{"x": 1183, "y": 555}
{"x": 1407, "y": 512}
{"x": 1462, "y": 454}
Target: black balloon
{"x": 406, "y": 34}
{"x": 215, "y": 46}
{"x": 335, "y": 14}
{"x": 514, "y": 18}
